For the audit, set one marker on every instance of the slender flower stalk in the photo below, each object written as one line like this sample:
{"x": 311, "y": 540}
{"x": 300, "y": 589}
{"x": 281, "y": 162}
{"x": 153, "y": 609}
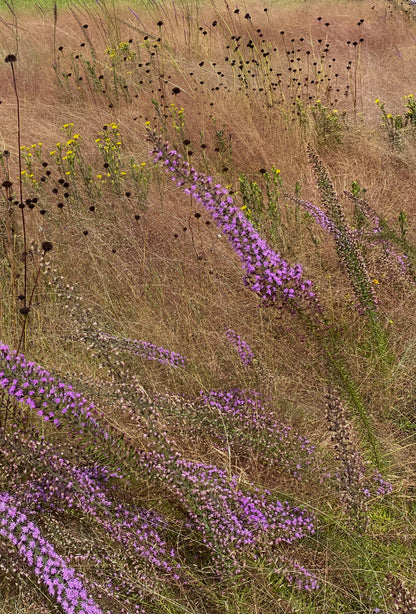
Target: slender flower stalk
{"x": 57, "y": 402}
{"x": 320, "y": 217}
{"x": 266, "y": 273}
{"x": 242, "y": 413}
{"x": 352, "y": 470}
{"x": 11, "y": 59}
{"x": 348, "y": 249}
{"x": 144, "y": 349}
{"x": 61, "y": 581}
{"x": 242, "y": 347}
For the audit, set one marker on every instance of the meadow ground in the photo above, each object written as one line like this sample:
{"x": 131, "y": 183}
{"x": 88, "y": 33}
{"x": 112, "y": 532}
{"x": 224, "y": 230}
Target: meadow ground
{"x": 207, "y": 307}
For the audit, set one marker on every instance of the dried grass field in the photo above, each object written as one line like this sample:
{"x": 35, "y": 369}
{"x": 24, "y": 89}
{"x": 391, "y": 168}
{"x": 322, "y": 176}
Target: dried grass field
{"x": 207, "y": 307}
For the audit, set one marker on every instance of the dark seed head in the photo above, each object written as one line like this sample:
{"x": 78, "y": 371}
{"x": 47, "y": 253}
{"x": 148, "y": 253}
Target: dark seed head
{"x": 47, "y": 246}
{"x": 9, "y": 59}
{"x": 24, "y": 310}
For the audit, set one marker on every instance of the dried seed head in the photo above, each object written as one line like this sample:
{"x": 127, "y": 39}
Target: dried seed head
{"x": 47, "y": 246}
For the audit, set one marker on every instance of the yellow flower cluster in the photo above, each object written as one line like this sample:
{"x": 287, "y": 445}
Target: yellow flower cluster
{"x": 122, "y": 48}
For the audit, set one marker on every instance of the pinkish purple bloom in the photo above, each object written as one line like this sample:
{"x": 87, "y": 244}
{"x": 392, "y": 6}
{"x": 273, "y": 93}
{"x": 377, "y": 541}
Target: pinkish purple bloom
{"x": 266, "y": 272}
{"x": 61, "y": 581}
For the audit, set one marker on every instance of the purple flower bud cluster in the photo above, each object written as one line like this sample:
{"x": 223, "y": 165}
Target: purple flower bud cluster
{"x": 320, "y": 217}
{"x": 266, "y": 272}
{"x": 380, "y": 486}
{"x": 59, "y": 485}
{"x": 397, "y": 265}
{"x": 144, "y": 349}
{"x": 243, "y": 349}
{"x": 60, "y": 580}
{"x": 243, "y": 412}
{"x": 300, "y": 577}
{"x": 52, "y": 400}
{"x": 236, "y": 524}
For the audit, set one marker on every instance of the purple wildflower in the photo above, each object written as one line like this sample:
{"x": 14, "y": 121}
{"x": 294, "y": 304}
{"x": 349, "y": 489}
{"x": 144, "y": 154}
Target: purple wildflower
{"x": 243, "y": 349}
{"x": 233, "y": 522}
{"x": 60, "y": 580}
{"x": 266, "y": 272}
{"x": 144, "y": 349}
{"x": 243, "y": 412}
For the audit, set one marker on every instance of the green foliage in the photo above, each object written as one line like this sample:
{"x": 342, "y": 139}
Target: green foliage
{"x": 397, "y": 126}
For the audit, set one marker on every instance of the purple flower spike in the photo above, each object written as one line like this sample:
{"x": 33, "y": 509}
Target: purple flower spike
{"x": 60, "y": 580}
{"x": 243, "y": 349}
{"x": 275, "y": 281}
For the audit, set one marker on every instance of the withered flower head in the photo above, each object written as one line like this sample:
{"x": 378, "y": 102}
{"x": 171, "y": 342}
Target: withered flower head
{"x": 47, "y": 246}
